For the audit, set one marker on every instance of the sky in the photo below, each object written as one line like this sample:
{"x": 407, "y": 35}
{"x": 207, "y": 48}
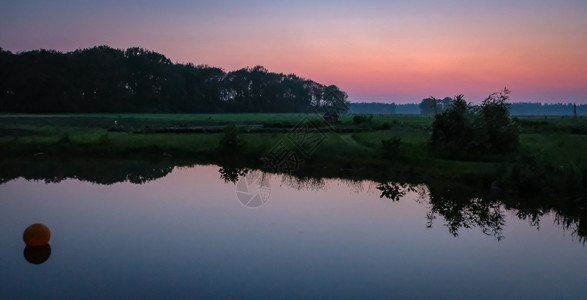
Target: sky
{"x": 381, "y": 51}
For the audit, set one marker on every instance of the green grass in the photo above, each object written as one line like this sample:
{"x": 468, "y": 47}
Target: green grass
{"x": 560, "y": 144}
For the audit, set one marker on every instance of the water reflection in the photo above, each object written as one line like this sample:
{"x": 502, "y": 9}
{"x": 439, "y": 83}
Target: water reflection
{"x": 303, "y": 183}
{"x": 455, "y": 207}
{"x": 37, "y": 255}
{"x": 394, "y": 191}
{"x": 253, "y": 189}
{"x": 232, "y": 174}
{"x": 91, "y": 170}
{"x": 317, "y": 237}
{"x": 461, "y": 207}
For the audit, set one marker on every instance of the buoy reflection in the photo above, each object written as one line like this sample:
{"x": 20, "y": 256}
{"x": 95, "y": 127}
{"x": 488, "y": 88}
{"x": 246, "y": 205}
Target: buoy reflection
{"x": 37, "y": 255}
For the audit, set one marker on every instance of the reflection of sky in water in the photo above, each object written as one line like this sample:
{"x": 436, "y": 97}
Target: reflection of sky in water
{"x": 187, "y": 235}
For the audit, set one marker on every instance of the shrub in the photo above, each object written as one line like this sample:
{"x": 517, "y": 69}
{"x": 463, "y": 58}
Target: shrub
{"x": 487, "y": 128}
{"x": 527, "y": 174}
{"x": 104, "y": 139}
{"x": 362, "y": 119}
{"x": 231, "y": 141}
{"x": 494, "y": 127}
{"x": 391, "y": 146}
{"x": 454, "y": 125}
{"x": 64, "y": 138}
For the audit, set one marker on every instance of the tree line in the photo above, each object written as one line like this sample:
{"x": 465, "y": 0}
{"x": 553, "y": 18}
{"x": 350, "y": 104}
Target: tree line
{"x": 427, "y": 108}
{"x": 107, "y": 80}
{"x": 432, "y": 106}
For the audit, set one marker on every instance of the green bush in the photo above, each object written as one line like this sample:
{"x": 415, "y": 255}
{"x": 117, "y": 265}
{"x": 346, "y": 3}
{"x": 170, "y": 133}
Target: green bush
{"x": 231, "y": 140}
{"x": 528, "y": 173}
{"x": 391, "y": 146}
{"x": 104, "y": 139}
{"x": 487, "y": 128}
{"x": 494, "y": 129}
{"x": 362, "y": 119}
{"x": 454, "y": 127}
{"x": 64, "y": 138}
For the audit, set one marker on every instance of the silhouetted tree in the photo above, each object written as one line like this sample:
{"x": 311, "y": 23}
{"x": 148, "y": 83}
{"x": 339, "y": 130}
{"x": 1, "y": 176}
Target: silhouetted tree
{"x": 335, "y": 100}
{"x": 487, "y": 128}
{"x": 454, "y": 126}
{"x": 494, "y": 129}
{"x": 428, "y": 106}
{"x": 103, "y": 79}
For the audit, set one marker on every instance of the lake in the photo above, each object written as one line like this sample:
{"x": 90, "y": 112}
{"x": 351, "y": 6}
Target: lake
{"x": 195, "y": 232}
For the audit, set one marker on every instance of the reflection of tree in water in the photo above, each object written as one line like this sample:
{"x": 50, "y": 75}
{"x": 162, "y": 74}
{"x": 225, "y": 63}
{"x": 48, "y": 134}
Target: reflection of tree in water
{"x": 465, "y": 209}
{"x": 317, "y": 184}
{"x": 458, "y": 209}
{"x": 394, "y": 191}
{"x": 148, "y": 174}
{"x": 576, "y": 225}
{"x": 468, "y": 209}
{"x": 468, "y": 213}
{"x": 94, "y": 171}
{"x": 303, "y": 183}
{"x": 232, "y": 174}
{"x": 569, "y": 213}
{"x": 355, "y": 186}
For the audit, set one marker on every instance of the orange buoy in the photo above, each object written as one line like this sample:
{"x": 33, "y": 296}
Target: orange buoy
{"x": 36, "y": 235}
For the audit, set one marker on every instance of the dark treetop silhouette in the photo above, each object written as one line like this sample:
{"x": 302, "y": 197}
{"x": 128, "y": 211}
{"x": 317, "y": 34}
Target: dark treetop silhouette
{"x": 103, "y": 79}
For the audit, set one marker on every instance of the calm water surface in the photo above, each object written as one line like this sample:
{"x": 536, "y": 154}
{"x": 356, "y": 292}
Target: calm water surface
{"x": 187, "y": 235}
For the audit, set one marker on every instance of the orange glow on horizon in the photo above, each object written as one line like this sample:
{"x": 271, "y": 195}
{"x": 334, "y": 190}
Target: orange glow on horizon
{"x": 384, "y": 51}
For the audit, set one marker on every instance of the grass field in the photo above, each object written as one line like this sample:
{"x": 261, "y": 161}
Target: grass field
{"x": 556, "y": 145}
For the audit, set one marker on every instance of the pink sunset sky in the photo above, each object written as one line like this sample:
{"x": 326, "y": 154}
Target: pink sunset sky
{"x": 382, "y": 51}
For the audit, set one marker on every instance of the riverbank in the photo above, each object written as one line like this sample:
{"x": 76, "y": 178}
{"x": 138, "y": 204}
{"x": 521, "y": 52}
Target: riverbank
{"x": 382, "y": 147}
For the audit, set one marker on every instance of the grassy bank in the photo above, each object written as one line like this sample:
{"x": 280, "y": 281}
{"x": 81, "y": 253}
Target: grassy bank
{"x": 384, "y": 146}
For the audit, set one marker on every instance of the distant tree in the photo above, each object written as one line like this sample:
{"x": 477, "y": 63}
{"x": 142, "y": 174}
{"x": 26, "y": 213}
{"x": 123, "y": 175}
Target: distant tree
{"x": 407, "y": 109}
{"x": 336, "y": 100}
{"x": 432, "y": 106}
{"x": 443, "y": 104}
{"x": 373, "y": 108}
{"x": 429, "y": 106}
{"x": 546, "y": 109}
